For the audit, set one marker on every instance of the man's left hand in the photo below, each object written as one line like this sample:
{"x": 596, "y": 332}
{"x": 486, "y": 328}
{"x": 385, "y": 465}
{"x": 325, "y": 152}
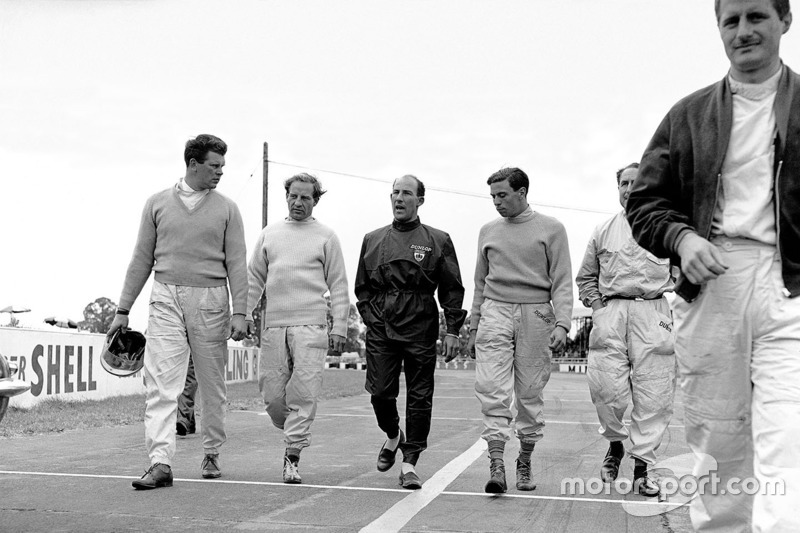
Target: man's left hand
{"x": 336, "y": 343}
{"x": 238, "y": 328}
{"x": 558, "y": 339}
{"x": 451, "y": 346}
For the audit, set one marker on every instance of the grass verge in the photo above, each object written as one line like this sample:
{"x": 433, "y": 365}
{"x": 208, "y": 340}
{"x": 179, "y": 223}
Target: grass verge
{"x": 56, "y": 416}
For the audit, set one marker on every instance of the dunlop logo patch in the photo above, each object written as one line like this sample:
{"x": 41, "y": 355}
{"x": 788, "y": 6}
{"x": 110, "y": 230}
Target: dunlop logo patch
{"x": 540, "y": 315}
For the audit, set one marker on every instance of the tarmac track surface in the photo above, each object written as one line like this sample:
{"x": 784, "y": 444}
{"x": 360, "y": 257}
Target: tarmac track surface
{"x": 80, "y": 481}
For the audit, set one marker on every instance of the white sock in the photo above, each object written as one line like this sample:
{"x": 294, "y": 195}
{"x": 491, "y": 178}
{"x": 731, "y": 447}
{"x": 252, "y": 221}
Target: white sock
{"x": 405, "y": 468}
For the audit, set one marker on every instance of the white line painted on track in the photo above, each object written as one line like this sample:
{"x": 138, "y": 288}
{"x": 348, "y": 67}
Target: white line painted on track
{"x": 403, "y": 511}
{"x": 587, "y": 400}
{"x": 650, "y": 501}
{"x": 447, "y": 476}
{"x": 461, "y": 419}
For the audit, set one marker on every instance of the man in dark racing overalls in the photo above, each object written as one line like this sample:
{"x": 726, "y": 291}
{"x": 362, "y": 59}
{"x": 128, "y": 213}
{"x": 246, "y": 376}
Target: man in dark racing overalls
{"x": 400, "y": 267}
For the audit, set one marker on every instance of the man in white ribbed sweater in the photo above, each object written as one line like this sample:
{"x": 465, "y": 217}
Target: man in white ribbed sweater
{"x": 295, "y": 262}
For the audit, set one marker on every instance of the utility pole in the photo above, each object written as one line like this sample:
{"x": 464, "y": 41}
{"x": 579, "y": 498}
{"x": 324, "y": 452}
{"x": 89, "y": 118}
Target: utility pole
{"x": 262, "y": 304}
{"x": 265, "y": 196}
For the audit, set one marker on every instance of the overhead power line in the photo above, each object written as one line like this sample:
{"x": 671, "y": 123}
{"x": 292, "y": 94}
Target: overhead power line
{"x": 440, "y": 189}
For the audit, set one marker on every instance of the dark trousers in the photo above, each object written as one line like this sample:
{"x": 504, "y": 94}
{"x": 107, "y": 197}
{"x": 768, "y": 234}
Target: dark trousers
{"x": 385, "y": 359}
{"x": 186, "y": 399}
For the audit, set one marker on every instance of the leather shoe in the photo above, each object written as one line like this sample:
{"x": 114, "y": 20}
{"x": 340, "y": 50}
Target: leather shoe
{"x": 210, "y": 466}
{"x": 610, "y": 469}
{"x": 410, "y": 481}
{"x": 646, "y": 486}
{"x": 386, "y": 457}
{"x": 158, "y": 475}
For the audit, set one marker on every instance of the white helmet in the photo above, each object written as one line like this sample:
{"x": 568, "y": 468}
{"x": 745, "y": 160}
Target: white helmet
{"x": 123, "y": 354}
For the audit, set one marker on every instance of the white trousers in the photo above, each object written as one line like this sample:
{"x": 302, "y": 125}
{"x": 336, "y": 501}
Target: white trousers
{"x": 290, "y": 378}
{"x": 512, "y": 365}
{"x": 185, "y": 320}
{"x": 632, "y": 359}
{"x": 738, "y": 351}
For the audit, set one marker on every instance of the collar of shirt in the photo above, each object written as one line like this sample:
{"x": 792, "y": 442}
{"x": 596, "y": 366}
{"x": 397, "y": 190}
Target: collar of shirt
{"x": 406, "y": 226}
{"x": 756, "y": 91}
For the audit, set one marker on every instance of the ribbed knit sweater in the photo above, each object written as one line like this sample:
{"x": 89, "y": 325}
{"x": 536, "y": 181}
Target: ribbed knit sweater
{"x": 203, "y": 247}
{"x": 296, "y": 263}
{"x": 524, "y": 259}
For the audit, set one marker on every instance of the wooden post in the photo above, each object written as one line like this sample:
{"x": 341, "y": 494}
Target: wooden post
{"x": 264, "y": 210}
{"x": 265, "y": 197}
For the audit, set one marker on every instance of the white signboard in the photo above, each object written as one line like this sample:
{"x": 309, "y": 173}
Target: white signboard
{"x": 66, "y": 365}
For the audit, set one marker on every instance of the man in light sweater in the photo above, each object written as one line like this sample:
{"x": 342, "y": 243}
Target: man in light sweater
{"x": 631, "y": 353}
{"x": 295, "y": 262}
{"x": 192, "y": 238}
{"x": 718, "y": 192}
{"x": 523, "y": 265}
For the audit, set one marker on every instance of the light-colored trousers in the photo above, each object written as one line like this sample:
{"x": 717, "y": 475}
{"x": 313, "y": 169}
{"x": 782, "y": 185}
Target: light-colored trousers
{"x": 290, "y": 378}
{"x": 512, "y": 365}
{"x": 632, "y": 358}
{"x": 738, "y": 350}
{"x": 185, "y": 320}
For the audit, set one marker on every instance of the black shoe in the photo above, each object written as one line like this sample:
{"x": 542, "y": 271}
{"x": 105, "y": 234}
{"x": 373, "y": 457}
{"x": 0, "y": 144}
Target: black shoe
{"x": 610, "y": 469}
{"x": 180, "y": 429}
{"x": 410, "y": 481}
{"x": 497, "y": 479}
{"x": 642, "y": 483}
{"x": 210, "y": 466}
{"x": 386, "y": 457}
{"x": 158, "y": 475}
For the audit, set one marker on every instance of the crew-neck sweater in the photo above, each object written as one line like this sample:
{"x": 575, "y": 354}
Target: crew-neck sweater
{"x": 203, "y": 247}
{"x": 524, "y": 259}
{"x": 295, "y": 263}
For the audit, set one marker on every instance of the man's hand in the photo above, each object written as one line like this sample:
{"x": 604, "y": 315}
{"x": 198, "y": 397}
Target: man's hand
{"x": 336, "y": 343}
{"x": 558, "y": 339}
{"x": 119, "y": 322}
{"x": 450, "y": 346}
{"x": 471, "y": 343}
{"x": 700, "y": 260}
{"x": 238, "y": 328}
{"x": 250, "y": 328}
{"x": 597, "y": 304}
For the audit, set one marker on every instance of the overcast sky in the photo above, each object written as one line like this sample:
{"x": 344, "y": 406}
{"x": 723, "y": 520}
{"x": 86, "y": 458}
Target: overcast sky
{"x": 97, "y": 99}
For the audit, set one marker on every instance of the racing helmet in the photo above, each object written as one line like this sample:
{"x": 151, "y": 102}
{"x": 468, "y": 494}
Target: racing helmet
{"x": 123, "y": 354}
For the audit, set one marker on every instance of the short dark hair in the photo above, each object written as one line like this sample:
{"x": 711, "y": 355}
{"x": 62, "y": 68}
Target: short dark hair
{"x": 304, "y": 177}
{"x": 199, "y": 147}
{"x": 623, "y": 169}
{"x": 781, "y": 6}
{"x": 420, "y": 185}
{"x": 515, "y": 176}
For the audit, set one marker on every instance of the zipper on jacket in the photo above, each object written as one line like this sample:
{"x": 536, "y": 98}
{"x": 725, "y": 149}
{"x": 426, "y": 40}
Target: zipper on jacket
{"x": 716, "y": 201}
{"x": 776, "y": 194}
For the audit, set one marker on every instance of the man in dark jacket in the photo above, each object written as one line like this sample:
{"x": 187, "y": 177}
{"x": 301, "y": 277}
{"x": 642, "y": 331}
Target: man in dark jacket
{"x": 400, "y": 267}
{"x": 718, "y": 192}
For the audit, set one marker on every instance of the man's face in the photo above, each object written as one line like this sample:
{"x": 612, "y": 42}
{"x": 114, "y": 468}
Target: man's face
{"x": 207, "y": 174}
{"x": 300, "y": 200}
{"x": 507, "y": 201}
{"x": 751, "y": 32}
{"x": 625, "y": 182}
{"x": 405, "y": 201}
